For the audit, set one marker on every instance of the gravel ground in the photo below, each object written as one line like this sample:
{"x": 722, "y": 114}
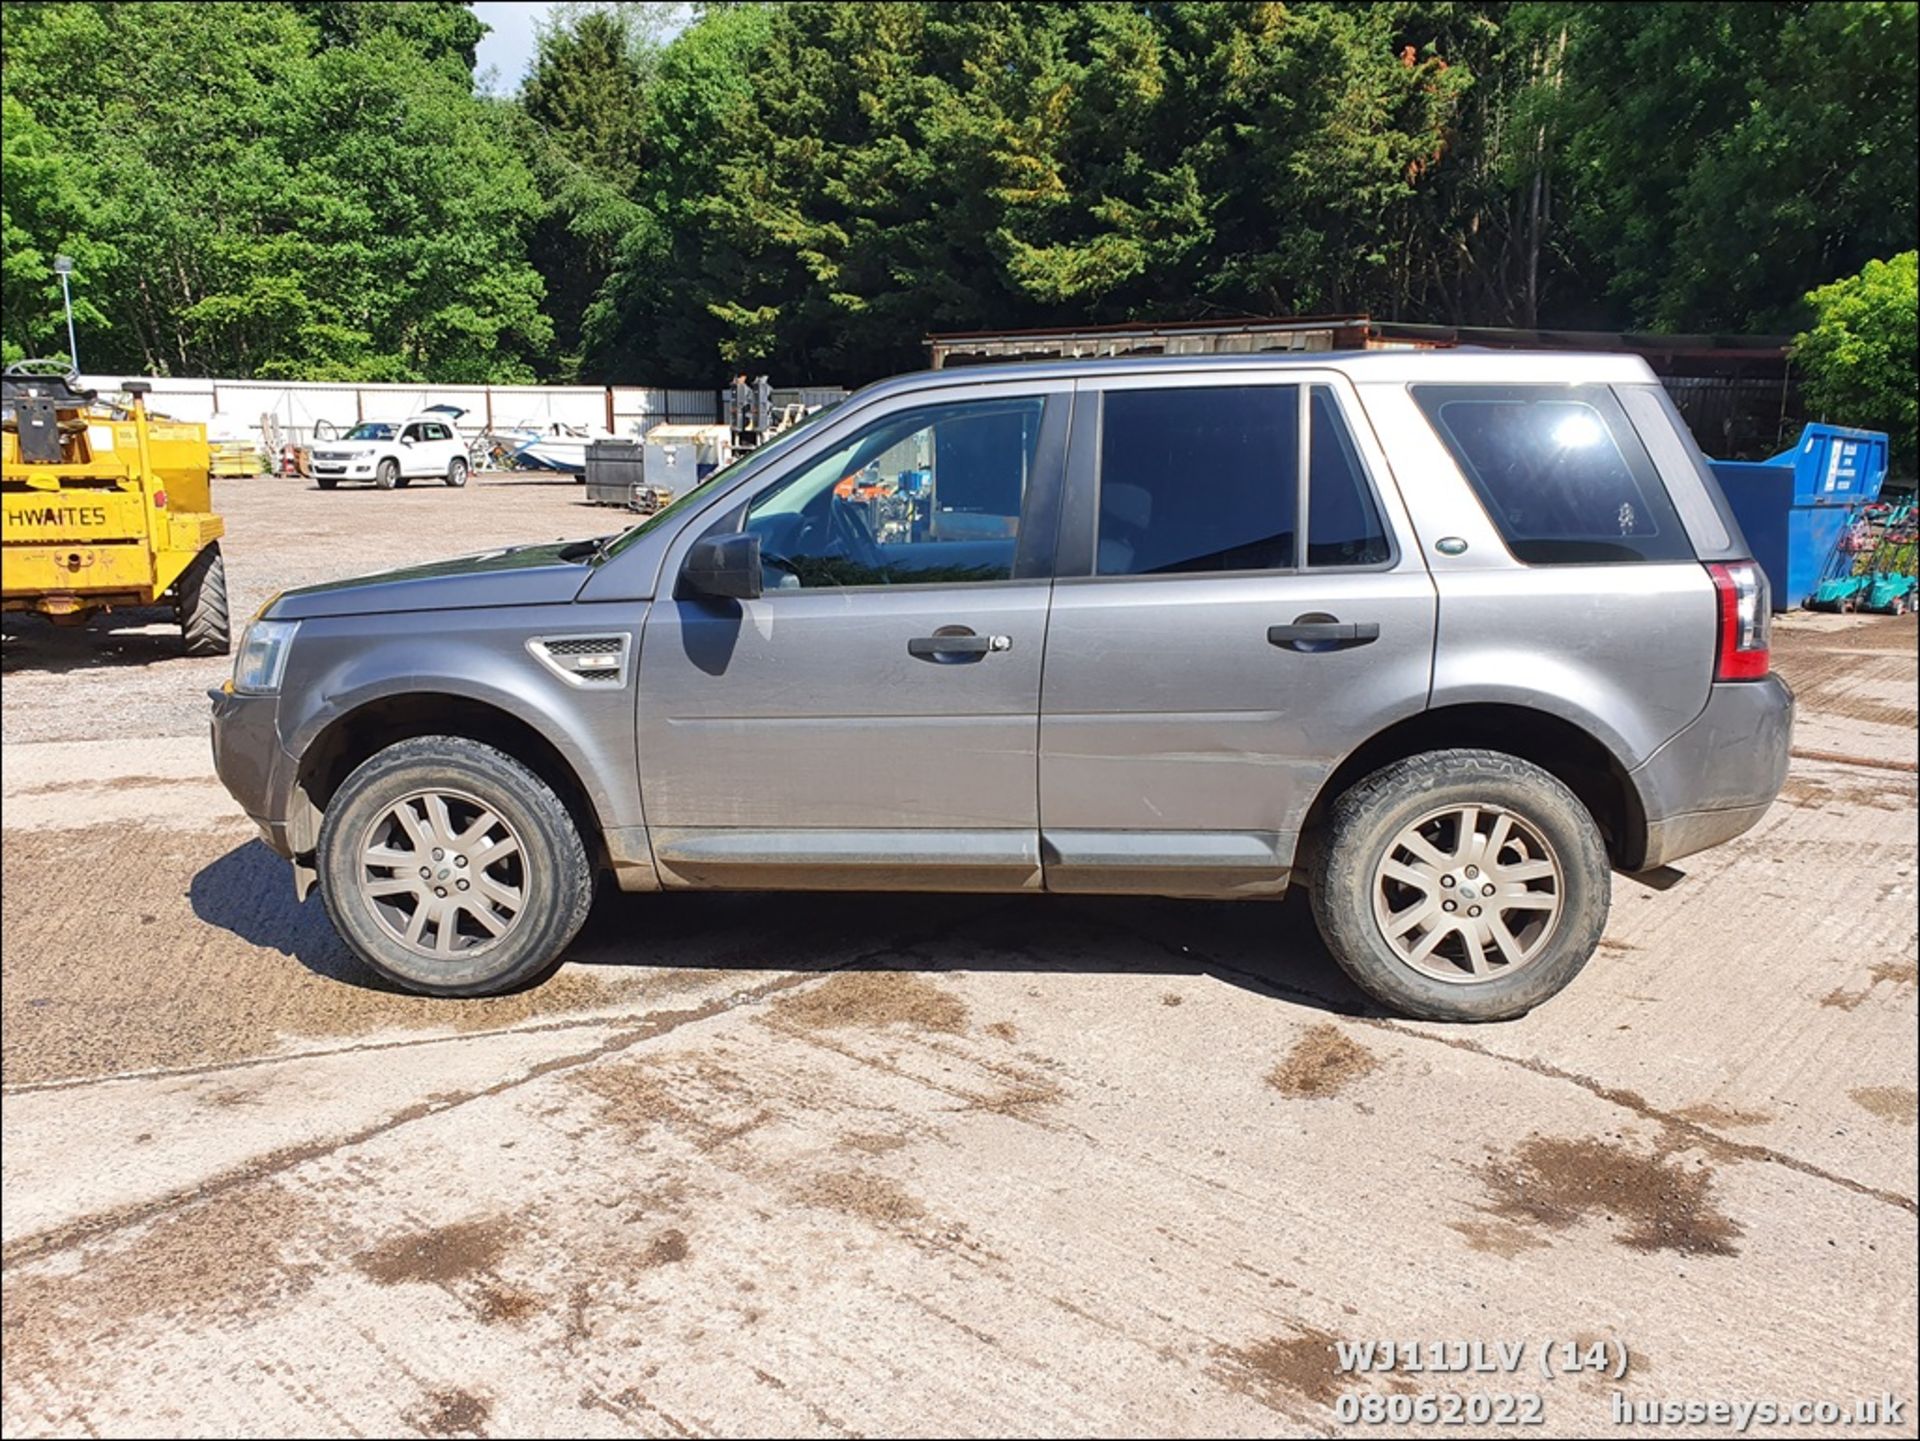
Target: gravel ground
{"x": 125, "y": 671}
{"x": 921, "y": 1165}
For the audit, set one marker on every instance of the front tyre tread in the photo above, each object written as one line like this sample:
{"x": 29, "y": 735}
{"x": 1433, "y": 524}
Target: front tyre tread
{"x": 555, "y": 854}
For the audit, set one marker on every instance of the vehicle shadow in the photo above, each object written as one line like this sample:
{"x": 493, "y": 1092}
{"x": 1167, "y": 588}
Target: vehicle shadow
{"x": 1269, "y": 948}
{"x": 135, "y": 636}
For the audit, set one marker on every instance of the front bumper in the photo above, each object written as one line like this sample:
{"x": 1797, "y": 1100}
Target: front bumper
{"x": 248, "y": 758}
{"x": 1717, "y": 777}
{"x": 345, "y": 469}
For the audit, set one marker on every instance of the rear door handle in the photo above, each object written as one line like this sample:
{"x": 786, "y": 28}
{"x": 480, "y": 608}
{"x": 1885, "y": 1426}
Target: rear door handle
{"x": 965, "y": 646}
{"x": 1309, "y": 634}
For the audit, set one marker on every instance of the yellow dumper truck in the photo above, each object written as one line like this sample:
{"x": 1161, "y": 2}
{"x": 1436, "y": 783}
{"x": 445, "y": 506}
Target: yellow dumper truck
{"x": 106, "y": 506}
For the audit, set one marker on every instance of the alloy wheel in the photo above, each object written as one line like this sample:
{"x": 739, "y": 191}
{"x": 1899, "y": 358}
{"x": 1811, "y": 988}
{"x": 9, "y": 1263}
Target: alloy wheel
{"x": 1468, "y": 894}
{"x": 444, "y": 873}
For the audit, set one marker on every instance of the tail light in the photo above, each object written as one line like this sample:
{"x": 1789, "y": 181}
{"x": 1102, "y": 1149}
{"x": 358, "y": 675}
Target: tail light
{"x": 1746, "y": 619}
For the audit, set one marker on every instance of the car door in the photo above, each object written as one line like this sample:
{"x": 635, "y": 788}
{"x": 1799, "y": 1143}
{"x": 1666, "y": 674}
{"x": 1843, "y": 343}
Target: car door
{"x": 440, "y": 448}
{"x": 1206, "y": 670}
{"x": 871, "y": 720}
{"x": 416, "y": 456}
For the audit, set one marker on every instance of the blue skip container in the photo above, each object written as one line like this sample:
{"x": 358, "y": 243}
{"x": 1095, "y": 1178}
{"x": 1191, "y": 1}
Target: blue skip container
{"x": 1795, "y": 506}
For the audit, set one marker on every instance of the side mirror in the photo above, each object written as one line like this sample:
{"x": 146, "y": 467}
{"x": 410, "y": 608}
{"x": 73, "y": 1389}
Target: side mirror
{"x": 723, "y": 566}
{"x": 406, "y": 440}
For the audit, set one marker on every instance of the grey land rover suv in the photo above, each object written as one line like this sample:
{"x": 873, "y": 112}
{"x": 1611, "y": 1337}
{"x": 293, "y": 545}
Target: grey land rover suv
{"x": 1444, "y": 636}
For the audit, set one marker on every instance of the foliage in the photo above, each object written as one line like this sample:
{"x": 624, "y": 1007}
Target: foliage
{"x": 1732, "y": 155}
{"x": 41, "y": 209}
{"x": 1858, "y": 361}
{"x": 325, "y": 199}
{"x": 313, "y": 188}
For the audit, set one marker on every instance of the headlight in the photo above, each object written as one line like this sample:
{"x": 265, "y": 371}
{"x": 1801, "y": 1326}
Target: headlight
{"x": 263, "y": 656}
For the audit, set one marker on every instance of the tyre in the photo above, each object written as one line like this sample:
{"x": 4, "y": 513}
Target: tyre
{"x": 451, "y": 869}
{"x": 326, "y": 482}
{"x": 386, "y": 474}
{"x": 200, "y": 604}
{"x": 1461, "y": 885}
{"x": 457, "y": 472}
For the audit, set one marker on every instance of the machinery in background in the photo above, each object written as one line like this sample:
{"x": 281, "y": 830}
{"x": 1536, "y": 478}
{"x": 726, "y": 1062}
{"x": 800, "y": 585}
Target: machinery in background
{"x": 644, "y": 475}
{"x": 755, "y": 412}
{"x": 106, "y": 506}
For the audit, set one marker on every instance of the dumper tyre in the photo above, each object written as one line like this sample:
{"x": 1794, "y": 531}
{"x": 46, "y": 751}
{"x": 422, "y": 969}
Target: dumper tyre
{"x": 457, "y": 472}
{"x": 386, "y": 474}
{"x": 1461, "y": 885}
{"x": 201, "y": 605}
{"x": 473, "y": 814}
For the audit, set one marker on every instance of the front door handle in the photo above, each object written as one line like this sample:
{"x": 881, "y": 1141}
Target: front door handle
{"x": 959, "y": 644}
{"x": 1313, "y": 633}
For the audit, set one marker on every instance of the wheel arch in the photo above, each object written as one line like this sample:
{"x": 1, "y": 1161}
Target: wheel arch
{"x": 1566, "y": 751}
{"x": 350, "y": 738}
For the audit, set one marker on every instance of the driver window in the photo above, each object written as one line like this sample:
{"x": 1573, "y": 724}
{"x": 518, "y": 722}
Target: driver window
{"x": 930, "y": 495}
{"x": 412, "y": 432}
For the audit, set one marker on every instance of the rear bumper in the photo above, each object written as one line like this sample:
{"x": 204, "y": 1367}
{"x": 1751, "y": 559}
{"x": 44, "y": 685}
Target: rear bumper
{"x": 1717, "y": 777}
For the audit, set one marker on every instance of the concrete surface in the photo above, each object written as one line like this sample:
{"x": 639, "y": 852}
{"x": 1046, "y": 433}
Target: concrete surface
{"x": 848, "y": 1165}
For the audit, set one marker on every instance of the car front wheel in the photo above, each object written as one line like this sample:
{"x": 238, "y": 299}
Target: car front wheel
{"x": 386, "y": 474}
{"x": 452, "y": 869}
{"x": 1461, "y": 885}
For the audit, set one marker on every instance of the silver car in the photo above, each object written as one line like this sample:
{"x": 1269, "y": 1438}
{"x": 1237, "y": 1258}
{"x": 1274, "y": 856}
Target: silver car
{"x": 1445, "y": 637}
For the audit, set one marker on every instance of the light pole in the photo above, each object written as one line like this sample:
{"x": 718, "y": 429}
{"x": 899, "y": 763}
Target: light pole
{"x": 63, "y": 267}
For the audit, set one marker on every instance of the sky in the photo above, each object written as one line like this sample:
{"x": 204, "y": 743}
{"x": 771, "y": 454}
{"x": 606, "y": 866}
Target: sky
{"x": 508, "y": 46}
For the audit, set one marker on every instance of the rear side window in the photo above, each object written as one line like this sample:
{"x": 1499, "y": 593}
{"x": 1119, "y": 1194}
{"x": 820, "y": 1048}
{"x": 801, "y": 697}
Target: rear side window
{"x": 1560, "y": 470}
{"x": 1198, "y": 479}
{"x": 1343, "y": 522}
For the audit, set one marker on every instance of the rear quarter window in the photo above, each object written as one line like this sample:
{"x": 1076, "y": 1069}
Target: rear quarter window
{"x": 1560, "y": 471}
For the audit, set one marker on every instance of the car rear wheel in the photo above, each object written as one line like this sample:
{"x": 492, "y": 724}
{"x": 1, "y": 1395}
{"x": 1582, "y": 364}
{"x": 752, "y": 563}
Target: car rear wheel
{"x": 1461, "y": 885}
{"x": 386, "y": 474}
{"x": 452, "y": 869}
{"x": 457, "y": 472}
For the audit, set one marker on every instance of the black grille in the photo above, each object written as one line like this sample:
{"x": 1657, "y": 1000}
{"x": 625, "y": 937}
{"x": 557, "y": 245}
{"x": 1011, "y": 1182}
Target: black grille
{"x": 591, "y": 645}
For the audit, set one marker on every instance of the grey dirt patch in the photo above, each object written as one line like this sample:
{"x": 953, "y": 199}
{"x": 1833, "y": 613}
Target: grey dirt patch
{"x": 666, "y": 1249}
{"x": 451, "y": 1413}
{"x": 1555, "y": 1181}
{"x": 211, "y": 917}
{"x": 1321, "y": 1064}
{"x": 440, "y": 1255}
{"x": 873, "y": 998}
{"x": 1283, "y": 1371}
{"x": 499, "y": 1303}
{"x": 1499, "y": 1238}
{"x": 219, "y": 1259}
{"x": 103, "y": 1223}
{"x": 1898, "y": 1104}
{"x": 1713, "y": 1113}
{"x": 863, "y": 1194}
{"x": 1675, "y": 1124}
{"x": 872, "y": 1143}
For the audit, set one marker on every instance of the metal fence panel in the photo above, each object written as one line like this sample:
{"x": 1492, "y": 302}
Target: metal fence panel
{"x": 297, "y": 408}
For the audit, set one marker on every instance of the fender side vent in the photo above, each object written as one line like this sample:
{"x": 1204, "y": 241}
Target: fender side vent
{"x": 598, "y": 662}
